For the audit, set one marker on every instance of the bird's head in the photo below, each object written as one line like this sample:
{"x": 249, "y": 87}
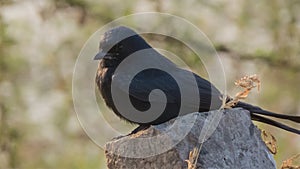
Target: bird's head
{"x": 120, "y": 42}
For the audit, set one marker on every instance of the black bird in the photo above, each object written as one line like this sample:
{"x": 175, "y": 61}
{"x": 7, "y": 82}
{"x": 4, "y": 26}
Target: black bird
{"x": 118, "y": 44}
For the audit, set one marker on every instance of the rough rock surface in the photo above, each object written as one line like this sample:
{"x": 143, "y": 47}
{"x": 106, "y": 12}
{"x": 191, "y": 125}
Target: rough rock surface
{"x": 235, "y": 143}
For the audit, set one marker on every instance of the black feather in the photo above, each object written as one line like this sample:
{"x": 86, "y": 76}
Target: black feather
{"x": 143, "y": 83}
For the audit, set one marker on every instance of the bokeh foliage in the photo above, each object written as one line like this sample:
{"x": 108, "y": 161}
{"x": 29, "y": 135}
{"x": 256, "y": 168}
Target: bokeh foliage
{"x": 40, "y": 40}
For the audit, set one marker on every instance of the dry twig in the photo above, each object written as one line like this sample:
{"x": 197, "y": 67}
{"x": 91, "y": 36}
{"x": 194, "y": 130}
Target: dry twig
{"x": 288, "y": 164}
{"x": 270, "y": 141}
{"x": 192, "y": 161}
{"x": 247, "y": 83}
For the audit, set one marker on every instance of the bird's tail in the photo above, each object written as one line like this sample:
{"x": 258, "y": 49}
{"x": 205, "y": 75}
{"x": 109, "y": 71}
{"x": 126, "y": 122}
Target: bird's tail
{"x": 254, "y": 110}
{"x": 258, "y": 110}
{"x": 274, "y": 123}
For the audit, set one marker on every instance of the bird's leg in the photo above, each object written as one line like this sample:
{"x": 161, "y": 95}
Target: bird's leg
{"x": 139, "y": 128}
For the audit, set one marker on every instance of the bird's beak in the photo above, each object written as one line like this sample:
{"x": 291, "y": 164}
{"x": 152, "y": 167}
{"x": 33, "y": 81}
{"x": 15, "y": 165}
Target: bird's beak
{"x": 99, "y": 55}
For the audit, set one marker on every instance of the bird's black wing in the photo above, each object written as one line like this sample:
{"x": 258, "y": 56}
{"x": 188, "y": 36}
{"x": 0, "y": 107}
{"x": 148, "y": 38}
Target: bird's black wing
{"x": 178, "y": 85}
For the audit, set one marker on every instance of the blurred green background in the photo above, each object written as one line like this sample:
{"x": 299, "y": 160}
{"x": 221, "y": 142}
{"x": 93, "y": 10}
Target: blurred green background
{"x": 40, "y": 41}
